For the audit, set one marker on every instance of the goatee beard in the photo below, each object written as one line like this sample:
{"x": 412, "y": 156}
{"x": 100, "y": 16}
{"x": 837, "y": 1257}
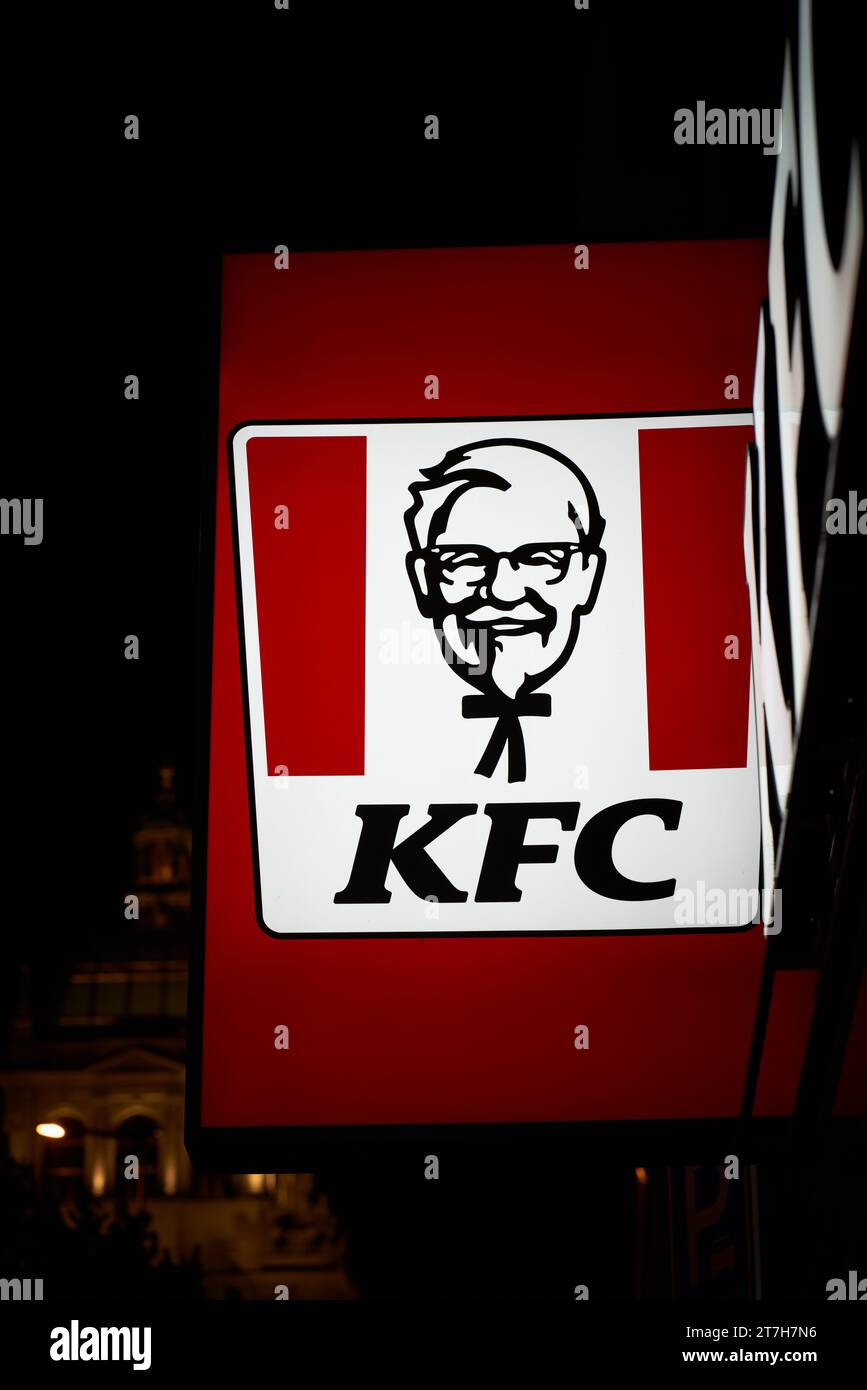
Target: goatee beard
{"x": 508, "y": 669}
{"x": 468, "y": 644}
{"x": 488, "y": 654}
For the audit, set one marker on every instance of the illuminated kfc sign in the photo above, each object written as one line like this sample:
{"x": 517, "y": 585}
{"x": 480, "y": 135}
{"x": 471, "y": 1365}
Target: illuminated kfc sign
{"x": 482, "y": 762}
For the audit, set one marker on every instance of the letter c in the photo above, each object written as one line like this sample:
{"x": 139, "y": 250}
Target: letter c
{"x": 595, "y": 845}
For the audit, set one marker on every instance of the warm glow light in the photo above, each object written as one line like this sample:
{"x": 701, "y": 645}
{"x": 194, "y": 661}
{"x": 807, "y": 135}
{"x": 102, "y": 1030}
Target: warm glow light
{"x": 256, "y": 1182}
{"x": 98, "y": 1181}
{"x": 170, "y": 1178}
{"x": 641, "y": 1176}
{"x": 51, "y": 1131}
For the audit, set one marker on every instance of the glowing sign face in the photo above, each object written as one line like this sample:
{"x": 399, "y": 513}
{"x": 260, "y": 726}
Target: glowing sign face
{"x": 464, "y": 711}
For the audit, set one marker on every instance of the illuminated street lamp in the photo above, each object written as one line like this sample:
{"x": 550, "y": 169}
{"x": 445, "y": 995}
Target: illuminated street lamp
{"x": 51, "y": 1131}
{"x": 55, "y": 1131}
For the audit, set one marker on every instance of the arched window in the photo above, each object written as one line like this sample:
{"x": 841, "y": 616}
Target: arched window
{"x": 63, "y": 1161}
{"x": 137, "y": 1137}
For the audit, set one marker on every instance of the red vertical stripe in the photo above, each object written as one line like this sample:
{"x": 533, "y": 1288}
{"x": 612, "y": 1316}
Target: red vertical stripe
{"x": 695, "y": 595}
{"x": 310, "y": 584}
{"x": 851, "y": 1097}
{"x": 791, "y": 1013}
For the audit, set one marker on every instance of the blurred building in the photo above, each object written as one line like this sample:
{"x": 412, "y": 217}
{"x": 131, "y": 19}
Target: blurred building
{"x": 110, "y": 1071}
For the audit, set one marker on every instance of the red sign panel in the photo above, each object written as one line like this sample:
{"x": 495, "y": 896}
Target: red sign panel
{"x": 461, "y": 370}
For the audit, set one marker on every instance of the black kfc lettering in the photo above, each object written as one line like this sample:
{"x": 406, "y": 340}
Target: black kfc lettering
{"x": 594, "y": 850}
{"x": 505, "y": 852}
{"x": 377, "y": 850}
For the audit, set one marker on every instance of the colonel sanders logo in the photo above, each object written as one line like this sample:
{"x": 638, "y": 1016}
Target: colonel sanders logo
{"x": 505, "y": 579}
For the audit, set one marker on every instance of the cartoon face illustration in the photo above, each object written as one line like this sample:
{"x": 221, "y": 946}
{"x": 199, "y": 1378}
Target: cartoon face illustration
{"x": 505, "y": 559}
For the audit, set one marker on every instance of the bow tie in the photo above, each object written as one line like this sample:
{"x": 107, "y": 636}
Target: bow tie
{"x": 507, "y": 731}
